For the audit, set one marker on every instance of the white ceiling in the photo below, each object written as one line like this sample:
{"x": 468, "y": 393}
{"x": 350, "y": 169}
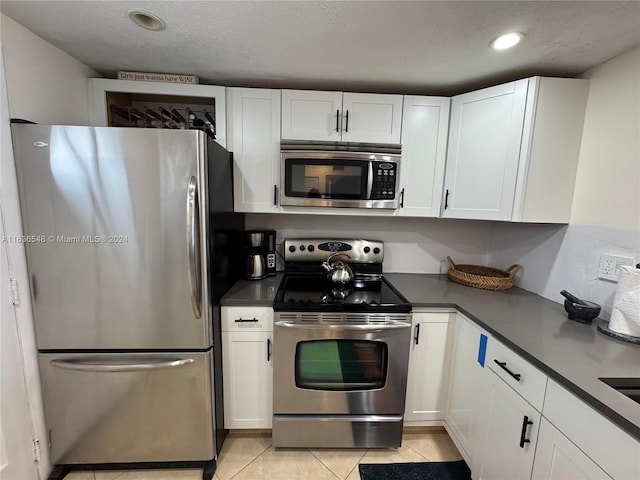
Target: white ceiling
{"x": 386, "y": 46}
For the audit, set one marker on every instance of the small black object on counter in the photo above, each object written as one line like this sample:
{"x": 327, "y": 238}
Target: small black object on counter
{"x": 580, "y": 310}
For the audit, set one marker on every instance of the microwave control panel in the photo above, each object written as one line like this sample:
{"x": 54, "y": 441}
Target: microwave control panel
{"x": 384, "y": 180}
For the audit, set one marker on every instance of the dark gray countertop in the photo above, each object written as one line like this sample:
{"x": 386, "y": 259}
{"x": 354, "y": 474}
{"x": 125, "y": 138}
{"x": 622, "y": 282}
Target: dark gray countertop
{"x": 254, "y": 293}
{"x": 573, "y": 354}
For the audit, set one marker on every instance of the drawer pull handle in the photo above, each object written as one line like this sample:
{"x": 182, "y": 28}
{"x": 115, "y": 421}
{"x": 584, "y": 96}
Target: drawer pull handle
{"x": 503, "y": 365}
{"x": 417, "y": 336}
{"x": 525, "y": 423}
{"x": 246, "y": 320}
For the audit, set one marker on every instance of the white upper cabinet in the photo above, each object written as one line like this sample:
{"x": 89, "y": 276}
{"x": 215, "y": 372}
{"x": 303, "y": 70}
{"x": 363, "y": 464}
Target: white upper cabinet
{"x": 254, "y": 139}
{"x": 425, "y": 124}
{"x": 513, "y": 151}
{"x": 334, "y": 116}
{"x": 119, "y": 103}
{"x": 371, "y": 118}
{"x": 310, "y": 115}
{"x": 484, "y": 145}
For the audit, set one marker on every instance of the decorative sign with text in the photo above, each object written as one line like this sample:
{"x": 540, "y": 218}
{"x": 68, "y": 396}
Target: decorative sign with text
{"x": 158, "y": 77}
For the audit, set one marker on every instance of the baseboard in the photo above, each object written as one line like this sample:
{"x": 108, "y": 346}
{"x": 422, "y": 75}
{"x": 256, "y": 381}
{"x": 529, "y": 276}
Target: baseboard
{"x": 423, "y": 429}
{"x": 250, "y": 432}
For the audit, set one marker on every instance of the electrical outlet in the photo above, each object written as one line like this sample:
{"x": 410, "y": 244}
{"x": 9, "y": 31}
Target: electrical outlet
{"x": 610, "y": 266}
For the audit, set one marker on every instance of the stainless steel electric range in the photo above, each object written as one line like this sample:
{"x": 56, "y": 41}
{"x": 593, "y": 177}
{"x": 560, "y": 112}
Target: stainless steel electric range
{"x": 341, "y": 347}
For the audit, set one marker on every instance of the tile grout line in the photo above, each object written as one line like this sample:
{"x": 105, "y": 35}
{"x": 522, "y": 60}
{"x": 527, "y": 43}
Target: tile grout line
{"x": 329, "y": 468}
{"x": 356, "y": 465}
{"x": 323, "y": 464}
{"x": 418, "y": 453}
{"x": 253, "y": 460}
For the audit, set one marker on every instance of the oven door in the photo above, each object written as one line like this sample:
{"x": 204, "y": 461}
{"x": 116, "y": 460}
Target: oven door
{"x": 358, "y": 369}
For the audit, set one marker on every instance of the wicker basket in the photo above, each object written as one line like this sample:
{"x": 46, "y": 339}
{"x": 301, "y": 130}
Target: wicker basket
{"x": 483, "y": 277}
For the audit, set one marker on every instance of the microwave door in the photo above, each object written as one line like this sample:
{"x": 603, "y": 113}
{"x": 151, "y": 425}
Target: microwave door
{"x": 338, "y": 179}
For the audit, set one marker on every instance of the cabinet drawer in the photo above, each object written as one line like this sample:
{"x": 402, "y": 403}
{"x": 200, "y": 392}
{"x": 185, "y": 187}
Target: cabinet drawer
{"x": 611, "y": 448}
{"x": 247, "y": 319}
{"x": 523, "y": 377}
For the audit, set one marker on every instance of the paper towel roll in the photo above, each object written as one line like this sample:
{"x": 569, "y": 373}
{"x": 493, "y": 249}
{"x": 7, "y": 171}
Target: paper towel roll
{"x": 625, "y": 316}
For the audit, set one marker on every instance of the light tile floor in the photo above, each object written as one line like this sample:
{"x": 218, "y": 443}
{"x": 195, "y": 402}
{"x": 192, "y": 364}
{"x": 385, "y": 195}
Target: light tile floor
{"x": 251, "y": 457}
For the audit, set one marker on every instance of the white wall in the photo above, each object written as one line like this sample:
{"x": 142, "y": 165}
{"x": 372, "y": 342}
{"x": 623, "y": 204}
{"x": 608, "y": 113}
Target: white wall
{"x": 44, "y": 85}
{"x": 605, "y": 216}
{"x": 412, "y": 245}
{"x": 607, "y": 191}
{"x": 17, "y": 408}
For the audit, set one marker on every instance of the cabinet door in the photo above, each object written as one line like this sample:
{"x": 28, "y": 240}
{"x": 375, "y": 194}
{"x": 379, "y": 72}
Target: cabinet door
{"x": 467, "y": 365}
{"x": 310, "y": 115}
{"x": 557, "y": 458}
{"x": 247, "y": 379}
{"x": 508, "y": 440}
{"x": 428, "y": 375}
{"x": 371, "y": 118}
{"x": 254, "y": 138}
{"x": 425, "y": 124}
{"x": 484, "y": 149}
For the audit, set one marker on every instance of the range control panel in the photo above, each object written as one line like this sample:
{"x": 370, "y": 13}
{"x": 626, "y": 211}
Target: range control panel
{"x": 319, "y": 249}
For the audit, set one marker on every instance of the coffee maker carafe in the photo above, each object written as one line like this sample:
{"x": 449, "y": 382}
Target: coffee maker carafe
{"x": 259, "y": 254}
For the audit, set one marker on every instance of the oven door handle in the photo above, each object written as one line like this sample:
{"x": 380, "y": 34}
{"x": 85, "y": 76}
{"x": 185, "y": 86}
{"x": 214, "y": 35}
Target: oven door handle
{"x": 352, "y": 327}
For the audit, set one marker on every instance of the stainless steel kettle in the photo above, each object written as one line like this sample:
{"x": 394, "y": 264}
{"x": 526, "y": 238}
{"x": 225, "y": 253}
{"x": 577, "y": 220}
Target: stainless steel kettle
{"x": 338, "y": 272}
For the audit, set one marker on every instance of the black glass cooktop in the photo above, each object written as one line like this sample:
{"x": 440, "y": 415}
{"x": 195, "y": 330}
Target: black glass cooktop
{"x": 314, "y": 293}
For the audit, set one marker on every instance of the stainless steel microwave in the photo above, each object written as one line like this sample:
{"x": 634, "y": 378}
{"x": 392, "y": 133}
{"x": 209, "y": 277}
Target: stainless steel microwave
{"x": 324, "y": 174}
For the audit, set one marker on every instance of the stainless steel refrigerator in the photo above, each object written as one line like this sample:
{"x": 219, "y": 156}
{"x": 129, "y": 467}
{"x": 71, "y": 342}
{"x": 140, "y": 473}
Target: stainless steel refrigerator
{"x": 130, "y": 239}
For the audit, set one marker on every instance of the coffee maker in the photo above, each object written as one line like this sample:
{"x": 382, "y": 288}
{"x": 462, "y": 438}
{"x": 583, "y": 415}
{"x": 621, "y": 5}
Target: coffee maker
{"x": 259, "y": 254}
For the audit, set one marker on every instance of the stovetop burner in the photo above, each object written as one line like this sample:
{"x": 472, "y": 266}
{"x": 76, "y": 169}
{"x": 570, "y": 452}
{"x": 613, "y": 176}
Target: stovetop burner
{"x": 305, "y": 287}
{"x": 315, "y": 293}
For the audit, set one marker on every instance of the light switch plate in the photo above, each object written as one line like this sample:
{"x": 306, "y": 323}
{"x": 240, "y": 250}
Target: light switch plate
{"x": 610, "y": 266}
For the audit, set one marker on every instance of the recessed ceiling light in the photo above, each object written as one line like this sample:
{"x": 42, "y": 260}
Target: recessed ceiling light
{"x": 507, "y": 40}
{"x": 145, "y": 19}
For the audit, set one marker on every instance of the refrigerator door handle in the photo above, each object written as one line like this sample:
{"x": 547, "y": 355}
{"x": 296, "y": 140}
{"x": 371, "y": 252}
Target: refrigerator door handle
{"x": 193, "y": 235}
{"x": 87, "y": 365}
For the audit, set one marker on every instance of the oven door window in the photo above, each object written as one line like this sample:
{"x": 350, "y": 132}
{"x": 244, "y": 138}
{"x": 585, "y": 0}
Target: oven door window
{"x": 333, "y": 179}
{"x": 341, "y": 365}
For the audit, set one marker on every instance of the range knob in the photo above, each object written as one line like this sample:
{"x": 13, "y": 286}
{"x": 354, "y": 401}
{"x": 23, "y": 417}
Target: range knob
{"x": 311, "y": 248}
{"x": 367, "y": 249}
{"x": 376, "y": 250}
{"x": 302, "y": 248}
{"x": 292, "y": 249}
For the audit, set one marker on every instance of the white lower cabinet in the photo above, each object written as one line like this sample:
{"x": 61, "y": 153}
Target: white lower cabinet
{"x": 557, "y": 458}
{"x": 467, "y": 364}
{"x": 601, "y": 441}
{"x": 247, "y": 367}
{"x": 428, "y": 375}
{"x": 507, "y": 442}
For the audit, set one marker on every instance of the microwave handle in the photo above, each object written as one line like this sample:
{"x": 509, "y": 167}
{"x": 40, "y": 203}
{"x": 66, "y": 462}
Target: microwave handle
{"x": 370, "y": 180}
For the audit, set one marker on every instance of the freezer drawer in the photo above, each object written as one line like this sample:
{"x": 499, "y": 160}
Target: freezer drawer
{"x": 125, "y": 408}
